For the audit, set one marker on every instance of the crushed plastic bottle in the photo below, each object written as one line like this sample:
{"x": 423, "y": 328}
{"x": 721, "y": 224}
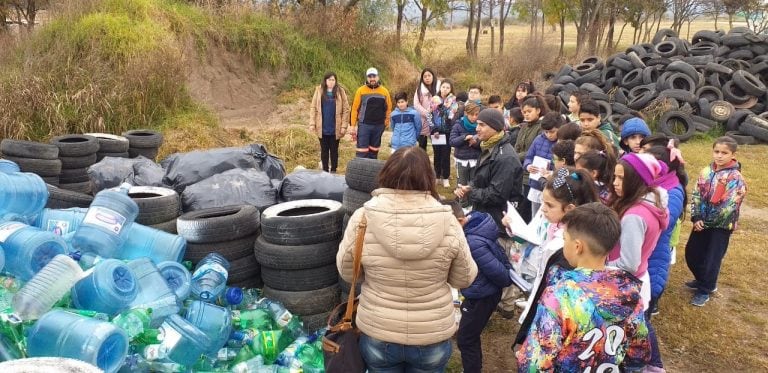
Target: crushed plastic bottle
{"x": 210, "y": 277}
{"x": 107, "y": 223}
{"x": 47, "y": 287}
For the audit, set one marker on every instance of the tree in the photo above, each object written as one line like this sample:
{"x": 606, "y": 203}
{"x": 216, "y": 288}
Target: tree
{"x": 400, "y": 4}
{"x": 731, "y": 7}
{"x": 470, "y": 44}
{"x": 503, "y": 14}
{"x": 557, "y": 12}
{"x": 713, "y": 9}
{"x": 683, "y": 11}
{"x": 755, "y": 12}
{"x": 20, "y": 12}
{"x": 430, "y": 11}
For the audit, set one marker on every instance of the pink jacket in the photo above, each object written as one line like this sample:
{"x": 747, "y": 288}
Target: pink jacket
{"x": 422, "y": 100}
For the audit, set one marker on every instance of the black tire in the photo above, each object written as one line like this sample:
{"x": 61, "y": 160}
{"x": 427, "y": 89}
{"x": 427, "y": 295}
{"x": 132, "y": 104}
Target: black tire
{"x": 620, "y": 97}
{"x": 632, "y": 79}
{"x": 706, "y": 35}
{"x": 668, "y": 121}
{"x": 354, "y": 199}
{"x": 735, "y": 40}
{"x": 683, "y": 67}
{"x": 219, "y": 224}
{"x": 41, "y": 167}
{"x": 736, "y": 119}
{"x": 109, "y": 143}
{"x": 590, "y": 88}
{"x": 84, "y": 187}
{"x": 590, "y": 77}
{"x": 28, "y": 149}
{"x": 617, "y": 108}
{"x": 302, "y": 222}
{"x": 721, "y": 110}
{"x": 231, "y": 250}
{"x": 306, "y": 302}
{"x": 313, "y": 323}
{"x": 679, "y": 95}
{"x": 622, "y": 64}
{"x": 756, "y": 132}
{"x": 156, "y": 204}
{"x": 167, "y": 226}
{"x": 295, "y": 256}
{"x": 75, "y": 145}
{"x": 705, "y": 109}
{"x": 702, "y": 123}
{"x": 741, "y": 139}
{"x": 565, "y": 79}
{"x": 78, "y": 161}
{"x": 662, "y": 35}
{"x": 748, "y": 83}
{"x": 73, "y": 175}
{"x": 718, "y": 68}
{"x": 760, "y": 69}
{"x": 650, "y": 75}
{"x": 757, "y": 121}
{"x": 681, "y": 81}
{"x": 100, "y": 156}
{"x": 243, "y": 269}
{"x": 63, "y": 199}
{"x": 709, "y": 93}
{"x": 300, "y": 279}
{"x": 254, "y": 282}
{"x": 144, "y": 138}
{"x": 362, "y": 173}
{"x": 742, "y": 54}
{"x": 667, "y": 48}
{"x": 605, "y": 108}
{"x": 636, "y": 61}
{"x": 734, "y": 94}
{"x": 149, "y": 153}
{"x": 51, "y": 180}
{"x": 699, "y": 61}
{"x": 585, "y": 68}
{"x": 640, "y": 102}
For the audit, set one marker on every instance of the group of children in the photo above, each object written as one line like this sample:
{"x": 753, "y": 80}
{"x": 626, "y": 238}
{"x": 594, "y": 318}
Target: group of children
{"x": 608, "y": 208}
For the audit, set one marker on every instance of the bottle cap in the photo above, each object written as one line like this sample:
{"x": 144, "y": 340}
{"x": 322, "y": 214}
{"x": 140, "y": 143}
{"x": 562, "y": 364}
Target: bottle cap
{"x": 234, "y": 295}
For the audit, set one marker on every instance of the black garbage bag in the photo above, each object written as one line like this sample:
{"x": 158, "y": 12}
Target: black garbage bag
{"x": 233, "y": 187}
{"x": 111, "y": 172}
{"x": 183, "y": 169}
{"x": 312, "y": 184}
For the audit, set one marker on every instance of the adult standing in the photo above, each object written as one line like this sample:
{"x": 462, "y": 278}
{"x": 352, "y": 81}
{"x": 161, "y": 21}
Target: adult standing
{"x": 370, "y": 115}
{"x": 422, "y": 101}
{"x": 414, "y": 252}
{"x": 329, "y": 119}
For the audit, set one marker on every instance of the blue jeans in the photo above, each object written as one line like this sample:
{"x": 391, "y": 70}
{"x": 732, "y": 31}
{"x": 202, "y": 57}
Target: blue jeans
{"x": 385, "y": 357}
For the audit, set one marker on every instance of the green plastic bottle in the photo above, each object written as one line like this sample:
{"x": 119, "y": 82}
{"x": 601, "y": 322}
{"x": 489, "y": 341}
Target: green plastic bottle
{"x": 259, "y": 319}
{"x": 134, "y": 322}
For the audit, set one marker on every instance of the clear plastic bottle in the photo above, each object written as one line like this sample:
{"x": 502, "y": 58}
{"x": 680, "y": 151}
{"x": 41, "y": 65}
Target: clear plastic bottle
{"x": 8, "y": 167}
{"x": 178, "y": 278}
{"x": 210, "y": 277}
{"x": 254, "y": 365}
{"x": 182, "y": 341}
{"x": 107, "y": 223}
{"x": 214, "y": 321}
{"x": 22, "y": 195}
{"x": 153, "y": 243}
{"x": 109, "y": 288}
{"x": 60, "y": 221}
{"x": 48, "y": 286}
{"x": 154, "y": 292}
{"x": 231, "y": 297}
{"x": 280, "y": 314}
{"x": 28, "y": 249}
{"x": 64, "y": 334}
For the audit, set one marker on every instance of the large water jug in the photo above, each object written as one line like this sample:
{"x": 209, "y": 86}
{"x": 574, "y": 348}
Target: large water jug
{"x": 178, "y": 278}
{"x": 8, "y": 167}
{"x": 214, "y": 321}
{"x": 48, "y": 286}
{"x": 210, "y": 277}
{"x": 183, "y": 342}
{"x": 60, "y": 221}
{"x": 109, "y": 288}
{"x": 63, "y": 334}
{"x": 154, "y": 292}
{"x": 22, "y": 195}
{"x": 107, "y": 223}
{"x": 154, "y": 244}
{"x": 28, "y": 249}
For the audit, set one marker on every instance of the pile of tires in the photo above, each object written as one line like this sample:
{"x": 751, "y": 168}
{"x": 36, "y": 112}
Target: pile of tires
{"x": 297, "y": 253}
{"x": 34, "y": 157}
{"x": 716, "y": 78}
{"x": 158, "y": 207}
{"x": 143, "y": 143}
{"x": 76, "y": 153}
{"x": 229, "y": 231}
{"x": 111, "y": 146}
{"x": 63, "y": 199}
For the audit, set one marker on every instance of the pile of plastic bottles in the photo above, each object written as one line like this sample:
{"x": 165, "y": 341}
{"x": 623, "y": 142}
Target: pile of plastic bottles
{"x": 90, "y": 284}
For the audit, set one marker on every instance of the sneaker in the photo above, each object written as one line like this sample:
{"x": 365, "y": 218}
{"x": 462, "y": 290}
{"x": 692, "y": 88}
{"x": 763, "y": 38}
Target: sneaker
{"x": 655, "y": 310}
{"x": 446, "y": 183}
{"x": 699, "y": 299}
{"x": 693, "y": 285}
{"x": 507, "y": 314}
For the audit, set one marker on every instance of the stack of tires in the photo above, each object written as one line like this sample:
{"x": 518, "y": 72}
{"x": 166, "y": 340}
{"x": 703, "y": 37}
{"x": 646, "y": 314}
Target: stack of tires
{"x": 143, "y": 143}
{"x": 34, "y": 157}
{"x": 76, "y": 153}
{"x": 229, "y": 231}
{"x": 110, "y": 146}
{"x": 63, "y": 199}
{"x": 297, "y": 252}
{"x": 158, "y": 207}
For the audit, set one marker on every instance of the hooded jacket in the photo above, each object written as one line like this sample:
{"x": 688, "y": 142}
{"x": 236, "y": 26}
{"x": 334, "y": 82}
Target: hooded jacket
{"x": 658, "y": 262}
{"x": 607, "y": 130}
{"x": 463, "y": 150}
{"x": 641, "y": 227}
{"x": 586, "y": 318}
{"x": 526, "y": 133}
{"x": 422, "y": 100}
{"x": 542, "y": 147}
{"x": 414, "y": 252}
{"x": 406, "y": 125}
{"x": 717, "y": 197}
{"x": 342, "y": 112}
{"x": 492, "y": 263}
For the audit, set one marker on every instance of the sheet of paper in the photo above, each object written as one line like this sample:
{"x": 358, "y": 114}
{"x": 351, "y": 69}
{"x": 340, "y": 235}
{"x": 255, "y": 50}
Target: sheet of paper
{"x": 518, "y": 228}
{"x": 540, "y": 163}
{"x": 439, "y": 140}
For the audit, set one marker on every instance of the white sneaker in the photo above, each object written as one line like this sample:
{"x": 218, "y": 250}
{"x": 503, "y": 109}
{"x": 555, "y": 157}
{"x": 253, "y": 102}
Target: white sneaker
{"x": 521, "y": 303}
{"x": 446, "y": 183}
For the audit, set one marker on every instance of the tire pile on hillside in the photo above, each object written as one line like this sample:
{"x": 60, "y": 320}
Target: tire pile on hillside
{"x": 37, "y": 158}
{"x": 717, "y": 77}
{"x": 297, "y": 253}
{"x": 143, "y": 143}
{"x": 76, "y": 153}
{"x": 229, "y": 231}
{"x": 111, "y": 146}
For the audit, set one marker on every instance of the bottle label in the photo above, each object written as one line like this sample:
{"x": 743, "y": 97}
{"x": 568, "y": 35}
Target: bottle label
{"x": 105, "y": 218}
{"x": 6, "y": 230}
{"x": 58, "y": 227}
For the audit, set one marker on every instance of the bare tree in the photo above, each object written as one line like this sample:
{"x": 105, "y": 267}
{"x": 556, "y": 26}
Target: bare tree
{"x": 470, "y": 44}
{"x": 491, "y": 4}
{"x": 430, "y": 11}
{"x": 683, "y": 11}
{"x": 713, "y": 9}
{"x": 755, "y": 12}
{"x": 400, "y": 5}
{"x": 21, "y": 12}
{"x": 503, "y": 14}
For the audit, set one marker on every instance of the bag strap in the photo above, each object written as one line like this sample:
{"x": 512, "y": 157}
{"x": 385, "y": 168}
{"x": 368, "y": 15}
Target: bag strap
{"x": 357, "y": 264}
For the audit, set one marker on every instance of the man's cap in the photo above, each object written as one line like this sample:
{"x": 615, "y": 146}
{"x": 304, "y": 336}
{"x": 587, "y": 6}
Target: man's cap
{"x": 372, "y": 71}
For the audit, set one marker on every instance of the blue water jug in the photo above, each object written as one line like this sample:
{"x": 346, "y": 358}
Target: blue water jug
{"x": 28, "y": 249}
{"x": 60, "y": 221}
{"x": 154, "y": 292}
{"x": 109, "y": 288}
{"x": 210, "y": 277}
{"x": 178, "y": 278}
{"x": 22, "y": 195}
{"x": 8, "y": 167}
{"x": 107, "y": 223}
{"x": 183, "y": 341}
{"x": 214, "y": 321}
{"x": 63, "y": 334}
{"x": 154, "y": 244}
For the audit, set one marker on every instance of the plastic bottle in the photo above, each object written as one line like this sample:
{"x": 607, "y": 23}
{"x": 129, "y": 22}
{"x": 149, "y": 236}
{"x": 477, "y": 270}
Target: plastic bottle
{"x": 153, "y": 243}
{"x": 280, "y": 314}
{"x": 60, "y": 221}
{"x": 250, "y": 297}
{"x": 107, "y": 223}
{"x": 210, "y": 277}
{"x": 8, "y": 349}
{"x": 154, "y": 292}
{"x": 49, "y": 285}
{"x": 22, "y": 195}
{"x": 63, "y": 334}
{"x": 183, "y": 342}
{"x": 214, "y": 321}
{"x": 256, "y": 319}
{"x": 230, "y": 297}
{"x": 177, "y": 277}
{"x": 289, "y": 357}
{"x": 254, "y": 365}
{"x": 28, "y": 249}
{"x": 109, "y": 288}
{"x": 8, "y": 167}
{"x": 86, "y": 313}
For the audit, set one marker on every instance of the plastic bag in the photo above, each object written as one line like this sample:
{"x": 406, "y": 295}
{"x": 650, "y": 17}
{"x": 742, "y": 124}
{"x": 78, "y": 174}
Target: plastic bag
{"x": 268, "y": 163}
{"x": 233, "y": 187}
{"x": 111, "y": 172}
{"x": 312, "y": 184}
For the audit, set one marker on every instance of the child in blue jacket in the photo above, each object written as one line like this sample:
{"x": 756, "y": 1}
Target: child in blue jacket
{"x": 405, "y": 122}
{"x": 542, "y": 147}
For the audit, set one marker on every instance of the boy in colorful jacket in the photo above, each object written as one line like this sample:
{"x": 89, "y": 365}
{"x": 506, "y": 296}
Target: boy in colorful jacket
{"x": 405, "y": 122}
{"x": 589, "y": 318}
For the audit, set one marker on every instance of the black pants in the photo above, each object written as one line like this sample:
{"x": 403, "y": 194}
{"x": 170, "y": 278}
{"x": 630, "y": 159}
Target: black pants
{"x": 475, "y": 314}
{"x": 442, "y": 161}
{"x": 422, "y": 139}
{"x": 704, "y": 253}
{"x": 329, "y": 148}
{"x": 524, "y": 208}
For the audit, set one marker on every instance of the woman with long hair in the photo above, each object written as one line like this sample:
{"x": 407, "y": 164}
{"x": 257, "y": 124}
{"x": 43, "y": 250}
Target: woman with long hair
{"x": 422, "y": 100}
{"x": 329, "y": 119}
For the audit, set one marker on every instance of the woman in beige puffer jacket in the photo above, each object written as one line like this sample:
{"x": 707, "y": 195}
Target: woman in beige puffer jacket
{"x": 414, "y": 252}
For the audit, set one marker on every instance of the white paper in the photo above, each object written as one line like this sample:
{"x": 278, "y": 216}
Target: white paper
{"x": 540, "y": 163}
{"x": 439, "y": 140}
{"x": 518, "y": 228}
